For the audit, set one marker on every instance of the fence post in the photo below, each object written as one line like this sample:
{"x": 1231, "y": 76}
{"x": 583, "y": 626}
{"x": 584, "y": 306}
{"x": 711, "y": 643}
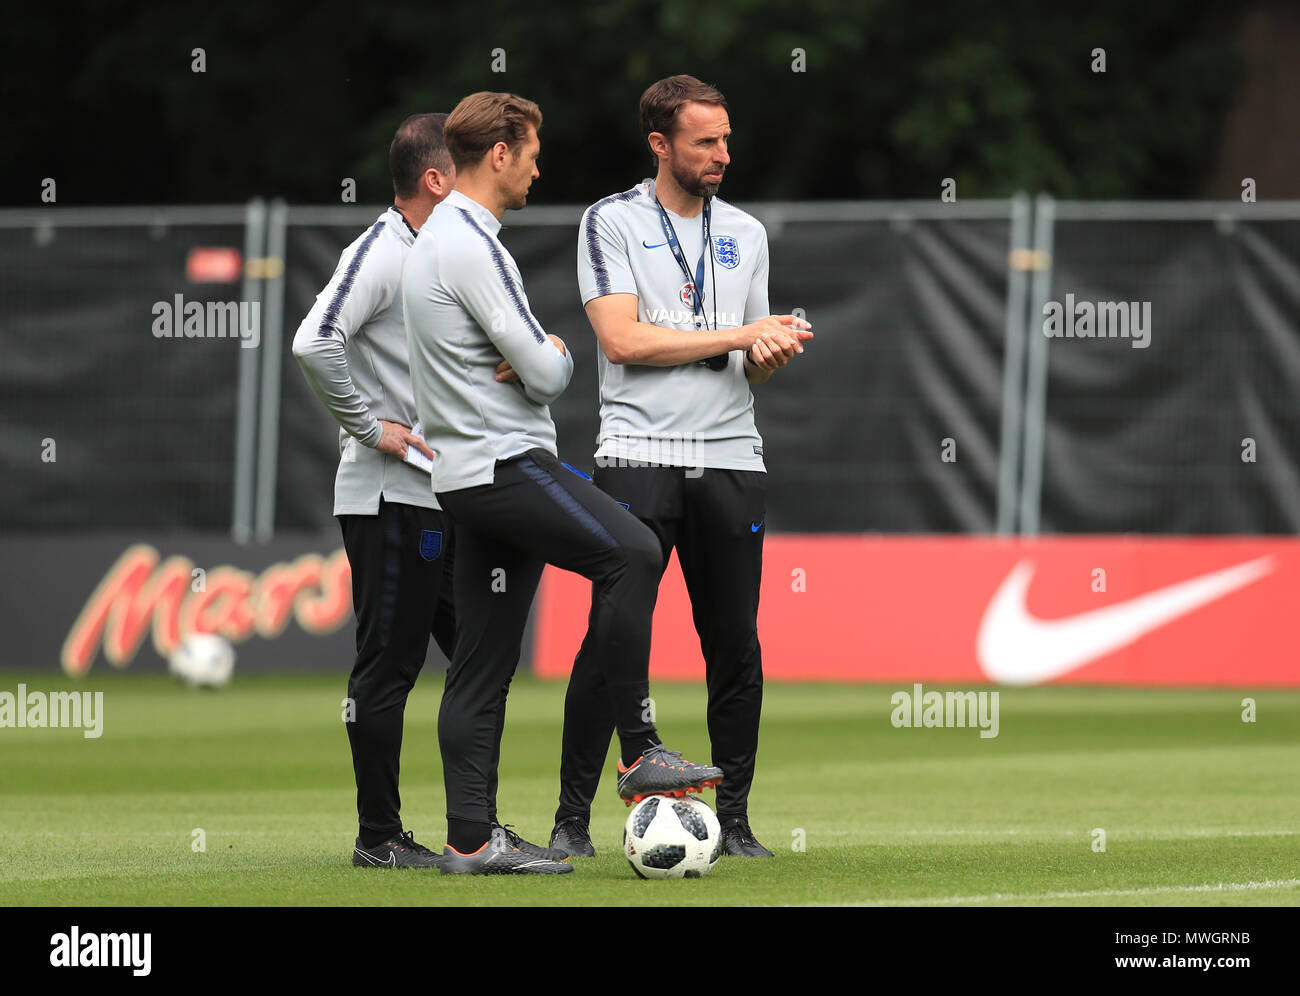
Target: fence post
{"x": 1036, "y": 385}
{"x": 268, "y": 445}
{"x": 241, "y": 522}
{"x": 1019, "y": 263}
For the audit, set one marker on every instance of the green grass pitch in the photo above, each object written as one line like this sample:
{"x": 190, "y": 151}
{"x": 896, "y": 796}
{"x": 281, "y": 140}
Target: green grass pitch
{"x": 1198, "y": 807}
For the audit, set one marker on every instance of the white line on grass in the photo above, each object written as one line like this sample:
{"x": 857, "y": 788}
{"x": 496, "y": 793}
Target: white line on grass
{"x": 1164, "y": 833}
{"x": 159, "y": 833}
{"x": 1161, "y": 833}
{"x": 1008, "y": 897}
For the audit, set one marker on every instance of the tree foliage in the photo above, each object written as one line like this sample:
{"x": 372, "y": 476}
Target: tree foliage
{"x": 895, "y": 96}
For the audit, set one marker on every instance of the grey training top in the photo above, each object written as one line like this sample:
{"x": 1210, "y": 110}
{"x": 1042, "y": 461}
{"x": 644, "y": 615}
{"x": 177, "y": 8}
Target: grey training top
{"x": 352, "y": 350}
{"x": 465, "y": 310}
{"x": 685, "y": 415}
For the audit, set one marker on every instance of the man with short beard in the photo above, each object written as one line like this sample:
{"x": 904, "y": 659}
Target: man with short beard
{"x": 675, "y": 285}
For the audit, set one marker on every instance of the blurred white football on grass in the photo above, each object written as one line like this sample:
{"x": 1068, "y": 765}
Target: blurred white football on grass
{"x": 203, "y": 660}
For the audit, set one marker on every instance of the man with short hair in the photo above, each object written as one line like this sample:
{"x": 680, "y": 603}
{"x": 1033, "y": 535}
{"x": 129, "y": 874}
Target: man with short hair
{"x": 484, "y": 374}
{"x": 352, "y": 350}
{"x": 674, "y": 282}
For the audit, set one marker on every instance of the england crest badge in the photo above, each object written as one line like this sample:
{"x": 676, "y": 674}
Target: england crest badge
{"x": 430, "y": 543}
{"x": 726, "y": 251}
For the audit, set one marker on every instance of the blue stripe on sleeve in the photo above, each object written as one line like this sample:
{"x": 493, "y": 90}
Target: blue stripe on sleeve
{"x": 594, "y": 252}
{"x": 331, "y": 315}
{"x": 505, "y": 276}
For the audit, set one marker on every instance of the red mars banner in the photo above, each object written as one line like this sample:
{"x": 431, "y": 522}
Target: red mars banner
{"x": 1108, "y": 610}
{"x": 85, "y": 601}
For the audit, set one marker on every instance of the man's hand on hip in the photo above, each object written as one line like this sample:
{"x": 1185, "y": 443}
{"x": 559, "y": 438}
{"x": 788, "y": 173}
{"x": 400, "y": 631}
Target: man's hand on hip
{"x": 397, "y": 438}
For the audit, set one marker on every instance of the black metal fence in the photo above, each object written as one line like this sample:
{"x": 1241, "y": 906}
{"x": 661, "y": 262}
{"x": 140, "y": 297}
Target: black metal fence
{"x": 932, "y": 400}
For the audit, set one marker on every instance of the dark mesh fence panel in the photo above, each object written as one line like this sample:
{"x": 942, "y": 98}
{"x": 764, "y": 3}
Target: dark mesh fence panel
{"x": 1152, "y": 439}
{"x": 910, "y": 320}
{"x": 906, "y": 370}
{"x": 142, "y": 426}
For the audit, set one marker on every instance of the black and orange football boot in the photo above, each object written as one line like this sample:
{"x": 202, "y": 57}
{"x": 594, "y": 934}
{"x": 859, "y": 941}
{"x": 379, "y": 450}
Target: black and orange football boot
{"x": 660, "y": 771}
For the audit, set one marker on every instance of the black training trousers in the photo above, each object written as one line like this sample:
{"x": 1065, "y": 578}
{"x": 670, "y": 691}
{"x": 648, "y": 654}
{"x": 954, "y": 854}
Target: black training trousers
{"x": 715, "y": 520}
{"x": 536, "y": 512}
{"x": 402, "y": 592}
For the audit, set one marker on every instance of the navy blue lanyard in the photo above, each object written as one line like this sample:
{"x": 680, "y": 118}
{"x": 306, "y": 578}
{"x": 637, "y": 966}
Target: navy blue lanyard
{"x": 670, "y": 234}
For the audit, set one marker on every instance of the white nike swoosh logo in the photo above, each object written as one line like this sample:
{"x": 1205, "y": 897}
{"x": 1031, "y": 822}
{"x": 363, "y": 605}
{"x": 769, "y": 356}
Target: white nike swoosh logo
{"x": 1015, "y": 648}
